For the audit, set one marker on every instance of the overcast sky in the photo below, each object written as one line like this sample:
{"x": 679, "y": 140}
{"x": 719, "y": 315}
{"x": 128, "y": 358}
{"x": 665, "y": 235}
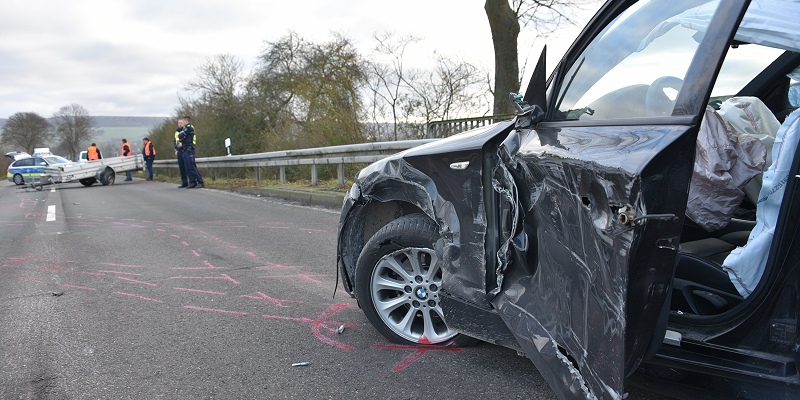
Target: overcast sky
{"x": 133, "y": 57}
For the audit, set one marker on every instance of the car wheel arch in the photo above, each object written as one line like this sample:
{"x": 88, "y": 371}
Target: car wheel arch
{"x": 362, "y": 223}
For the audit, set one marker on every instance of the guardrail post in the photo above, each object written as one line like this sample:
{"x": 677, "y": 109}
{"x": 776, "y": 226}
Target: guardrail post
{"x": 340, "y": 173}
{"x": 258, "y": 174}
{"x": 314, "y": 175}
{"x": 283, "y": 174}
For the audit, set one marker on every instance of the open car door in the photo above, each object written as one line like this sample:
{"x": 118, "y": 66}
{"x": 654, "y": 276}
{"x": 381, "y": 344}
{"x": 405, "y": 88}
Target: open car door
{"x": 596, "y": 194}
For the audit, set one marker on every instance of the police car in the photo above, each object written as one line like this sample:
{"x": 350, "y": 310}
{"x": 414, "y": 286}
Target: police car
{"x": 26, "y": 167}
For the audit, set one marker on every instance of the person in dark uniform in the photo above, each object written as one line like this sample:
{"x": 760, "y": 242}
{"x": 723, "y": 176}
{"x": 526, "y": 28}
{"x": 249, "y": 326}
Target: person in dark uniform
{"x": 126, "y": 152}
{"x": 186, "y": 142}
{"x": 181, "y": 161}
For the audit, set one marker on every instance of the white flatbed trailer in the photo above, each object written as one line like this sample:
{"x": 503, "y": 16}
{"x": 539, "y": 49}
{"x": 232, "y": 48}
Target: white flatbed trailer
{"x": 88, "y": 173}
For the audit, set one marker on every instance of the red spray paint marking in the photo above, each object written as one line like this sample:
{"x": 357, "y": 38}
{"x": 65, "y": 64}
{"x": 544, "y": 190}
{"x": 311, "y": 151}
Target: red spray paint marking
{"x": 185, "y": 244}
{"x": 278, "y": 266}
{"x": 418, "y": 352}
{"x": 76, "y": 287}
{"x": 10, "y": 266}
{"x": 198, "y": 291}
{"x": 136, "y": 281}
{"x": 208, "y": 266}
{"x": 137, "y": 226}
{"x": 138, "y": 297}
{"x": 231, "y": 246}
{"x": 215, "y": 310}
{"x": 160, "y": 230}
{"x": 274, "y": 227}
{"x": 196, "y": 254}
{"x": 322, "y": 322}
{"x": 29, "y": 277}
{"x": 54, "y": 268}
{"x": 20, "y": 259}
{"x": 203, "y": 232}
{"x": 277, "y": 302}
{"x": 307, "y": 277}
{"x": 120, "y": 272}
{"x": 251, "y": 254}
{"x": 176, "y": 236}
{"x": 222, "y": 276}
{"x": 121, "y": 265}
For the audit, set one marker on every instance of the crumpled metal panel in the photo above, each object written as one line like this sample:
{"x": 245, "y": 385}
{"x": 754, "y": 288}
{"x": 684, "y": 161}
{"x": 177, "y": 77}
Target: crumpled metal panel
{"x": 568, "y": 307}
{"x": 452, "y": 197}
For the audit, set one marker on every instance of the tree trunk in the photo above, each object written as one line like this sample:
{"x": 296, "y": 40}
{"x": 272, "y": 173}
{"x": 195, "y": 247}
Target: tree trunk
{"x": 505, "y": 31}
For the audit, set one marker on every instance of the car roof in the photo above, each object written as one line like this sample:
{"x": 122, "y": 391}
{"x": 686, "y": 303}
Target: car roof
{"x": 17, "y": 155}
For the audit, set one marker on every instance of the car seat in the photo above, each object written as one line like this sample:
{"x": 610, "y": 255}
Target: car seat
{"x": 715, "y": 274}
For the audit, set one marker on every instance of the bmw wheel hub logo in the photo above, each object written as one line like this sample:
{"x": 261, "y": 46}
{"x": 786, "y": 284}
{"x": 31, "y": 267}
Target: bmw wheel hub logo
{"x": 421, "y": 293}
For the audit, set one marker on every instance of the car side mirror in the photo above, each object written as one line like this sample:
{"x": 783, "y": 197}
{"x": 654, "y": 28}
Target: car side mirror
{"x": 531, "y": 107}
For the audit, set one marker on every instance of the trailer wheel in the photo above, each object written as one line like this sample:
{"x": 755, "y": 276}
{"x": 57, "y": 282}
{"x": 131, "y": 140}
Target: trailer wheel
{"x": 107, "y": 177}
{"x": 88, "y": 181}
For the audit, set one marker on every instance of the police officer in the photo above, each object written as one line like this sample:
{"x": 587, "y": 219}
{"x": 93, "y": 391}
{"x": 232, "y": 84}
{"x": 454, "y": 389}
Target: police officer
{"x": 181, "y": 161}
{"x": 126, "y": 152}
{"x": 186, "y": 143}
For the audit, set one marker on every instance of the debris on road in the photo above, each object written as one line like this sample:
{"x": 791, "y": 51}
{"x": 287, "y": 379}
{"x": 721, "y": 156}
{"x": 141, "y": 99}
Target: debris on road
{"x": 301, "y": 364}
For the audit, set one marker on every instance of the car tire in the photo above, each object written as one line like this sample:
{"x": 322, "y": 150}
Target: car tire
{"x": 107, "y": 177}
{"x": 398, "y": 281}
{"x": 88, "y": 181}
{"x": 18, "y": 179}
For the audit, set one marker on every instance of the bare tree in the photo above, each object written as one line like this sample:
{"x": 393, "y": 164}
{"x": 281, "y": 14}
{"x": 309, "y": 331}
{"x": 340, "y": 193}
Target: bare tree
{"x": 26, "y": 131}
{"x": 450, "y": 90}
{"x": 505, "y": 17}
{"x": 387, "y": 79}
{"x": 73, "y": 126}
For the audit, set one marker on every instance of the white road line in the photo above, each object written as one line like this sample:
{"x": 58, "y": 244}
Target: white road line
{"x": 53, "y": 190}
{"x": 51, "y": 213}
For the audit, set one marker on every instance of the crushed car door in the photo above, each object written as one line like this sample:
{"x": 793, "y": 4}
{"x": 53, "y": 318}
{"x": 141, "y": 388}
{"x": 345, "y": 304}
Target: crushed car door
{"x": 596, "y": 194}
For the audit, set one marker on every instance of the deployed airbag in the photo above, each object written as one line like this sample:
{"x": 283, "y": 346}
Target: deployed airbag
{"x": 724, "y": 162}
{"x": 745, "y": 265}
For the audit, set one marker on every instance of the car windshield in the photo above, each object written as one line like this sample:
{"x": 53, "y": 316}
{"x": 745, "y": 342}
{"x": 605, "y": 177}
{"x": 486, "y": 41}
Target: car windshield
{"x": 56, "y": 160}
{"x": 648, "y": 49}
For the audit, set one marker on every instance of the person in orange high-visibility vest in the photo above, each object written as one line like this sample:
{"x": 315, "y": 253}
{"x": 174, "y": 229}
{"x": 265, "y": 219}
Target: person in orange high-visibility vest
{"x": 126, "y": 152}
{"x": 149, "y": 153}
{"x": 93, "y": 153}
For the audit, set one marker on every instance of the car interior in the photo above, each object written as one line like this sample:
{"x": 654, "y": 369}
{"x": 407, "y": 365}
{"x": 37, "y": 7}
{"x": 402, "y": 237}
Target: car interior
{"x": 702, "y": 287}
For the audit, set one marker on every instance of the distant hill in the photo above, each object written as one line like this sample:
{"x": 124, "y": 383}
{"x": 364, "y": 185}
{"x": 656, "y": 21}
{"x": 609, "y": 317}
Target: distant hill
{"x": 119, "y": 122}
{"x": 131, "y": 128}
{"x": 130, "y": 122}
{"x": 115, "y": 128}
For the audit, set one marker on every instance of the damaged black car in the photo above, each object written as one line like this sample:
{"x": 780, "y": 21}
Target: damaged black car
{"x": 636, "y": 222}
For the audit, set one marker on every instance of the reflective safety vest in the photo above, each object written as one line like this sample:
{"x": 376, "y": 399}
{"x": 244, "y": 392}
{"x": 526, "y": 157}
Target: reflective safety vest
{"x": 92, "y": 153}
{"x": 149, "y": 149}
{"x": 194, "y": 138}
{"x": 126, "y": 149}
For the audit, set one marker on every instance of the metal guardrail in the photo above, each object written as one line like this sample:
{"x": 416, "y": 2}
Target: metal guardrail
{"x": 338, "y": 155}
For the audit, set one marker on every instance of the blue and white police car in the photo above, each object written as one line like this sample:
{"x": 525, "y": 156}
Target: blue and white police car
{"x": 26, "y": 167}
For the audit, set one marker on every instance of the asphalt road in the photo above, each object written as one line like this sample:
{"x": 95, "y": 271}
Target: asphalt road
{"x": 141, "y": 290}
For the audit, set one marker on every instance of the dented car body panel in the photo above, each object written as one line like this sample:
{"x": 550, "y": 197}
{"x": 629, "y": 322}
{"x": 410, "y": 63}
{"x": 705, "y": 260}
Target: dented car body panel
{"x": 578, "y": 188}
{"x": 560, "y": 230}
{"x": 415, "y": 180}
